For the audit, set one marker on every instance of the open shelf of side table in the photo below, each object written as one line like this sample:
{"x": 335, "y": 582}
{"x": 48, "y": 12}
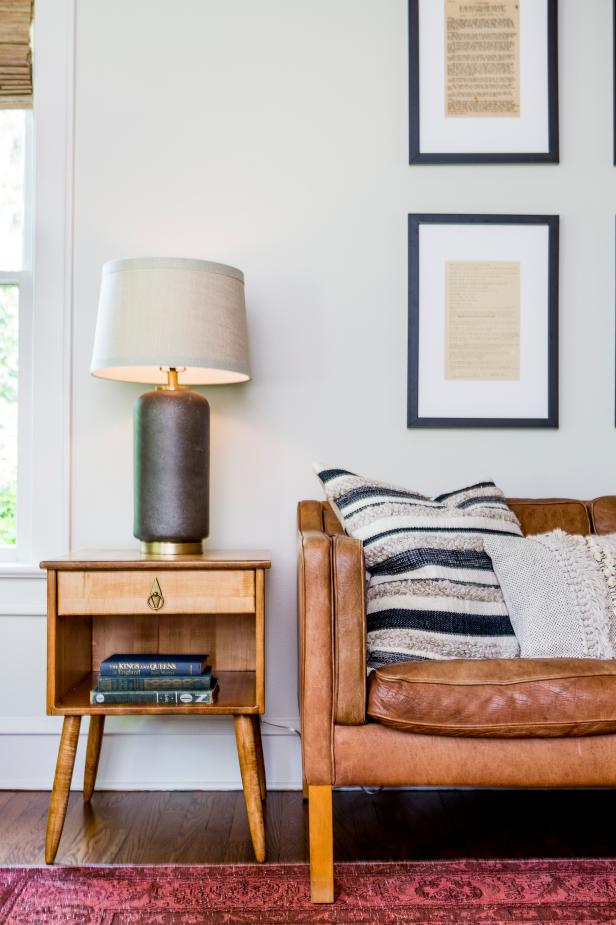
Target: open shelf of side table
{"x": 237, "y": 695}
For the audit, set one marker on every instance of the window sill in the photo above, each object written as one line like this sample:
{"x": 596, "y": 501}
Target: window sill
{"x": 22, "y": 590}
{"x": 20, "y": 570}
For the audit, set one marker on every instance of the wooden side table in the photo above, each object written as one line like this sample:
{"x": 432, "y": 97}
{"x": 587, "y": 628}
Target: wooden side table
{"x": 101, "y": 603}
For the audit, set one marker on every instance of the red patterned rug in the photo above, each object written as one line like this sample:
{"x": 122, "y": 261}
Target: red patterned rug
{"x": 430, "y": 893}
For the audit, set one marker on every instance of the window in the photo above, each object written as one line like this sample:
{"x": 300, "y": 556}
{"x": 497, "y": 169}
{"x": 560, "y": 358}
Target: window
{"x": 15, "y": 316}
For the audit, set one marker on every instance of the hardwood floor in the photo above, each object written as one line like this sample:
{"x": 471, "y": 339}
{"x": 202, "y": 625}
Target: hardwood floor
{"x": 211, "y": 827}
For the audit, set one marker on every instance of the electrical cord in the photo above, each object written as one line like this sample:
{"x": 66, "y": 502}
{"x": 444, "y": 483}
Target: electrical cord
{"x": 266, "y": 722}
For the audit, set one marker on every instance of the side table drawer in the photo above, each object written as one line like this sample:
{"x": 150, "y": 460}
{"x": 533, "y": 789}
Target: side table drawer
{"x": 150, "y": 591}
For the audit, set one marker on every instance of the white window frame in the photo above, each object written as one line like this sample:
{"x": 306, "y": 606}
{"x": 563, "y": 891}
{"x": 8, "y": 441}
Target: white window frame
{"x": 22, "y": 549}
{"x": 45, "y": 341}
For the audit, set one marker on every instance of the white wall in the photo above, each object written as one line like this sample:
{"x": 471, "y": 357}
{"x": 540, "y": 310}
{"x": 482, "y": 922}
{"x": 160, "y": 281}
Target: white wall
{"x": 273, "y": 135}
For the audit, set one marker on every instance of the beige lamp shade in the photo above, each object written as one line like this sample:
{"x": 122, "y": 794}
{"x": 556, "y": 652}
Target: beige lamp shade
{"x": 160, "y": 312}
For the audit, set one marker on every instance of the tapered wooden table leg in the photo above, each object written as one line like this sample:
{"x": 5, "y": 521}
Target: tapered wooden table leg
{"x": 93, "y": 753}
{"x": 256, "y": 722}
{"x": 249, "y": 767}
{"x": 61, "y": 785}
{"x": 321, "y": 844}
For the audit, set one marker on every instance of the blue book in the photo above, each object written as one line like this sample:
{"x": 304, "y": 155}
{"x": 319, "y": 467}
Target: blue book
{"x": 144, "y": 666}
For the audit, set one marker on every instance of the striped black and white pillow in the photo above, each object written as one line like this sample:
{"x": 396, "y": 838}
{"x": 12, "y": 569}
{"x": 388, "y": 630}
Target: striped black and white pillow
{"x": 432, "y": 592}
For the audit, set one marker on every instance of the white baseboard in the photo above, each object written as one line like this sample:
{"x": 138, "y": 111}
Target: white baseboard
{"x": 168, "y": 761}
{"x": 147, "y": 725}
{"x": 147, "y": 785}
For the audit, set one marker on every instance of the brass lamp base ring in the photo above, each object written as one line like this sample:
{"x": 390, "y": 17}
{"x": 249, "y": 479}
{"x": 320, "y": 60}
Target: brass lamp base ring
{"x": 171, "y": 549}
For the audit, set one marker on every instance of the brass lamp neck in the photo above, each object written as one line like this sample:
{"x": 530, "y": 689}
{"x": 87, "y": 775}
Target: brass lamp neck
{"x": 172, "y": 384}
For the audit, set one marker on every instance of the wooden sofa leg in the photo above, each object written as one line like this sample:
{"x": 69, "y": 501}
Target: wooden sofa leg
{"x": 321, "y": 844}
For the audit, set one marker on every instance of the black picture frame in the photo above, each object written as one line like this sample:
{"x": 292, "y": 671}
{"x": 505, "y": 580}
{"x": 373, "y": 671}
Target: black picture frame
{"x": 413, "y": 417}
{"x": 615, "y": 307}
{"x": 551, "y": 156}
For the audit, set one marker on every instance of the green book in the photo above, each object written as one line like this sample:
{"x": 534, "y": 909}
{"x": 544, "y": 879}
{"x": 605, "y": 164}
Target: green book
{"x": 201, "y": 682}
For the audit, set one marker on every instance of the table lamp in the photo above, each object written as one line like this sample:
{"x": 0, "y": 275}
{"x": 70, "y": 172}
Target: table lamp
{"x": 172, "y": 322}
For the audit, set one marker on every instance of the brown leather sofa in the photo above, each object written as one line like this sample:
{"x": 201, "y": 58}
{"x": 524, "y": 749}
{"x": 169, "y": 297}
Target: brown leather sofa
{"x": 528, "y": 723}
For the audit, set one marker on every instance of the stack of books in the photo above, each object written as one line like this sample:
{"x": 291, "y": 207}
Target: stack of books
{"x": 155, "y": 679}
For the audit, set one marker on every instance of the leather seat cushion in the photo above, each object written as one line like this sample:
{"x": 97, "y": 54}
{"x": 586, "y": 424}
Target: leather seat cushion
{"x": 498, "y": 698}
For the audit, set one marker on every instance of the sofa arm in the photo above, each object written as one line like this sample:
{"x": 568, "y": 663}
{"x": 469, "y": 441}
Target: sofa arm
{"x": 316, "y": 644}
{"x": 332, "y": 637}
{"x": 349, "y": 583}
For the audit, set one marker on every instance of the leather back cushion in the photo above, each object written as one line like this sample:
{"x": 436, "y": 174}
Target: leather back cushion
{"x": 539, "y": 515}
{"x": 545, "y": 514}
{"x": 331, "y": 524}
{"x": 603, "y": 512}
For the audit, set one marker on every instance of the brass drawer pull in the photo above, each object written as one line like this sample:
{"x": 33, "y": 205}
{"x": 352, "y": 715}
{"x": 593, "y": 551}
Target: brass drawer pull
{"x": 156, "y": 600}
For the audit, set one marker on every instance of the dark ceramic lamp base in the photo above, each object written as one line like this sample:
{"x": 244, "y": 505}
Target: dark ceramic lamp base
{"x": 172, "y": 442}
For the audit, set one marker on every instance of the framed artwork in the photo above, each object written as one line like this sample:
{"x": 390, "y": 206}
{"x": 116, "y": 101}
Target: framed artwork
{"x": 483, "y": 81}
{"x": 483, "y": 321}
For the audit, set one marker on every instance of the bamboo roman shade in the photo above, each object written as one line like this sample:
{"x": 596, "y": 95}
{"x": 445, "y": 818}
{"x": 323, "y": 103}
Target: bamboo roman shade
{"x": 15, "y": 54}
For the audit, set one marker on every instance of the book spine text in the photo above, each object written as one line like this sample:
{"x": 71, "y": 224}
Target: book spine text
{"x": 178, "y": 697}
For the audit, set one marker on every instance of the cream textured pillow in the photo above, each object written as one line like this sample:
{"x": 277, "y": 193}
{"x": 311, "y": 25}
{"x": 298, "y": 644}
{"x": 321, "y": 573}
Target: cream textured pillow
{"x": 560, "y": 592}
